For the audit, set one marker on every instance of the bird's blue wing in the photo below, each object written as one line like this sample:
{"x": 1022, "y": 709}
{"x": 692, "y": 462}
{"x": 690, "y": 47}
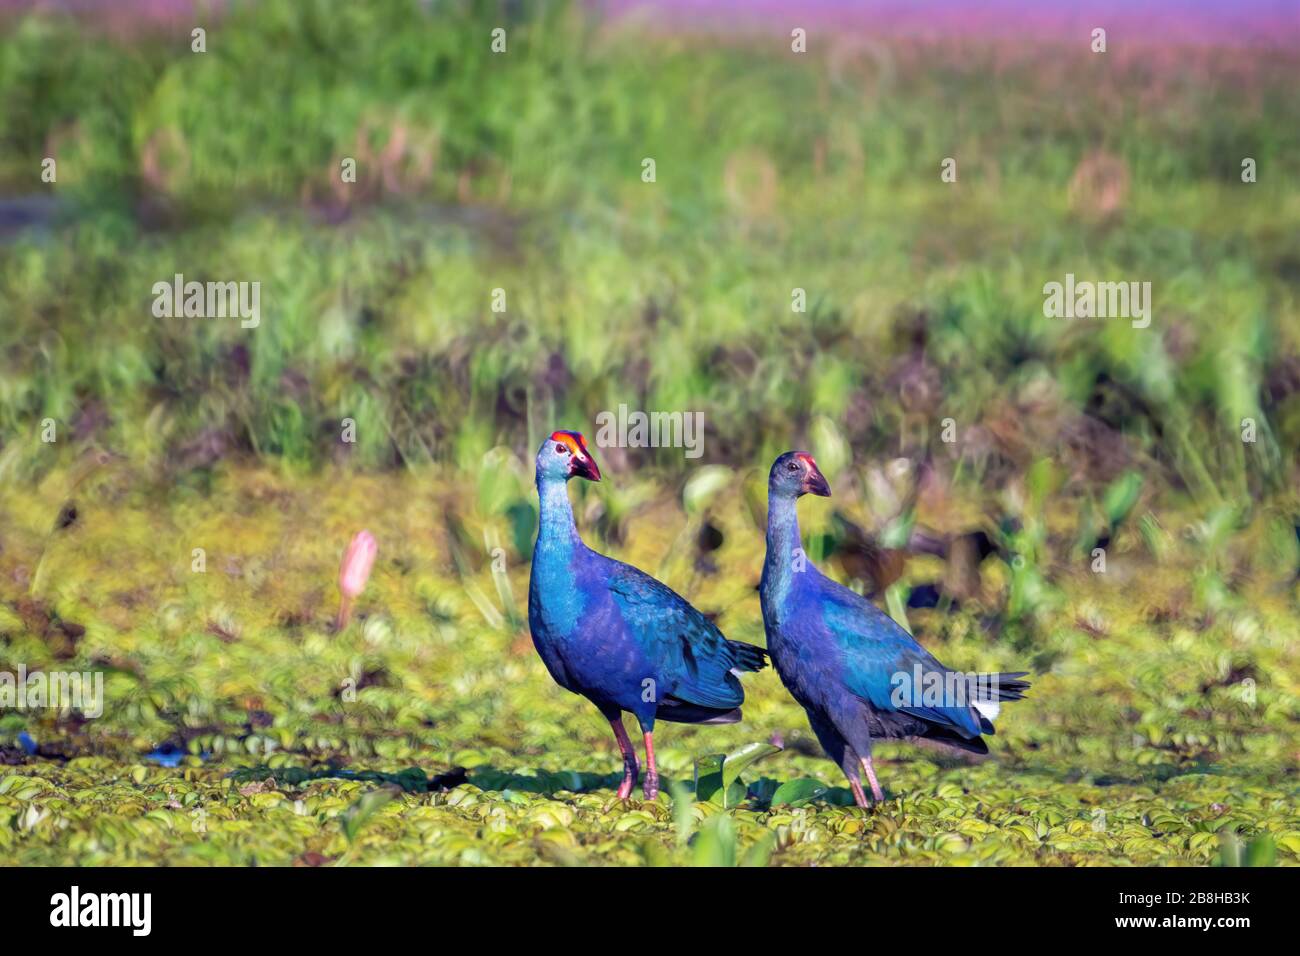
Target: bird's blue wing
{"x": 691, "y": 653}
{"x": 885, "y": 666}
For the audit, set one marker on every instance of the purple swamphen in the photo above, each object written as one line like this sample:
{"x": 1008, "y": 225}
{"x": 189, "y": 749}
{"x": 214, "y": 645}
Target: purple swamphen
{"x": 617, "y": 636}
{"x": 859, "y": 676}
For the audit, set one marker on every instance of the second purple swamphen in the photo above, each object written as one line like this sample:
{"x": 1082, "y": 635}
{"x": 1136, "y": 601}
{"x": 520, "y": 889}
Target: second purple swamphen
{"x": 858, "y": 675}
{"x": 617, "y": 636}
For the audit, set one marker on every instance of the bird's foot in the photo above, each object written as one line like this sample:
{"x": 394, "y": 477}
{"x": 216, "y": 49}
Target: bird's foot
{"x": 630, "y": 773}
{"x": 859, "y": 797}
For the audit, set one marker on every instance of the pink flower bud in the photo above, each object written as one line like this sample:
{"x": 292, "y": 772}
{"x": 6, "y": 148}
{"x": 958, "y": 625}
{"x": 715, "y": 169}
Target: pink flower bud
{"x": 357, "y": 562}
{"x": 354, "y": 572}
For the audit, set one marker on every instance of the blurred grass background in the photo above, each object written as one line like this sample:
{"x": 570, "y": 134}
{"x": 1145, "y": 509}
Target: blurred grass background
{"x": 522, "y": 172}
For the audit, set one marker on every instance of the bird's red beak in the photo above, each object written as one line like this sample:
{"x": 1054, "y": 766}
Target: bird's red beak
{"x": 814, "y": 482}
{"x": 585, "y": 467}
{"x": 581, "y": 464}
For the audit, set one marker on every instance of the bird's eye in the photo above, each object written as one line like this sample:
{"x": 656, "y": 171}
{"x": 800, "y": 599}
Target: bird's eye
{"x": 559, "y": 449}
{"x": 793, "y": 466}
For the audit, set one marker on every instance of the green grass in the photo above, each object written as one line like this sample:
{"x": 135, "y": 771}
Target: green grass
{"x": 1141, "y": 716}
{"x": 1139, "y": 744}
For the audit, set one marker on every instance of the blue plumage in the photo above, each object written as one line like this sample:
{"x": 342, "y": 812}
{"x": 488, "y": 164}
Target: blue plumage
{"x": 617, "y": 636}
{"x": 858, "y": 675}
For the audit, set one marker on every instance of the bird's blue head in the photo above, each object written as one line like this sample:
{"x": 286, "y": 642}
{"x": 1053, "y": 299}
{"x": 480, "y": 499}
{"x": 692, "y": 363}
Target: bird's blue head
{"x": 794, "y": 474}
{"x": 563, "y": 456}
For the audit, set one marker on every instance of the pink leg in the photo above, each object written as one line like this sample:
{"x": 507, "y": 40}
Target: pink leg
{"x": 877, "y": 794}
{"x": 651, "y": 788}
{"x": 630, "y": 769}
{"x": 849, "y": 764}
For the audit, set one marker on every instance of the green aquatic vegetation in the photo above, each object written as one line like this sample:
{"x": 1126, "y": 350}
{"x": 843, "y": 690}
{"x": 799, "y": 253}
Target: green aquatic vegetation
{"x": 1152, "y": 730}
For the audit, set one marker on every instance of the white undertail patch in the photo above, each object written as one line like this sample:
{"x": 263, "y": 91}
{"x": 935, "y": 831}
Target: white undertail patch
{"x": 988, "y": 709}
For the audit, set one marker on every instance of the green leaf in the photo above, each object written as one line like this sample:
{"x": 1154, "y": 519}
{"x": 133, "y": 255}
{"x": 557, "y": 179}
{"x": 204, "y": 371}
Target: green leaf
{"x": 708, "y": 776}
{"x": 1290, "y": 841}
{"x": 356, "y": 816}
{"x": 896, "y": 602}
{"x": 715, "y": 844}
{"x": 735, "y": 763}
{"x": 1121, "y": 496}
{"x": 795, "y": 793}
{"x": 734, "y": 794}
{"x": 683, "y": 817}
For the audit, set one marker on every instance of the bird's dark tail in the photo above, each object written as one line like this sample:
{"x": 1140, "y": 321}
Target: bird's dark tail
{"x": 747, "y": 657}
{"x": 946, "y": 740}
{"x": 991, "y": 690}
{"x": 1004, "y": 686}
{"x": 683, "y": 712}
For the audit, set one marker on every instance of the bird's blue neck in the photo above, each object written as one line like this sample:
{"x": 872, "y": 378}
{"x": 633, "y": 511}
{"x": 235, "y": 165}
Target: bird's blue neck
{"x": 782, "y": 544}
{"x": 555, "y": 601}
{"x": 556, "y": 528}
